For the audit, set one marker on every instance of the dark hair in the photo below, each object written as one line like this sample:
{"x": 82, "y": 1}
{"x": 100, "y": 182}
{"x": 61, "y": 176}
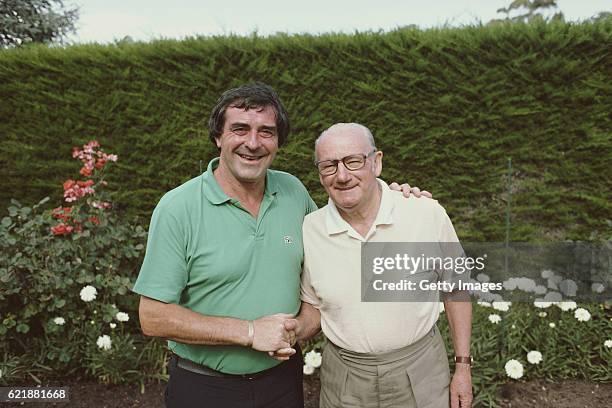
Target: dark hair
{"x": 249, "y": 96}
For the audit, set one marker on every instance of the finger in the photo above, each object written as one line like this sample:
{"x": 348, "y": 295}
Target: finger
{"x": 394, "y": 186}
{"x": 290, "y": 324}
{"x": 416, "y": 191}
{"x": 286, "y": 352}
{"x": 454, "y": 399}
{"x": 280, "y": 358}
{"x": 426, "y": 194}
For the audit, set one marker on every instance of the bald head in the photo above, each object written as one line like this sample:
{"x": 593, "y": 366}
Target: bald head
{"x": 340, "y": 130}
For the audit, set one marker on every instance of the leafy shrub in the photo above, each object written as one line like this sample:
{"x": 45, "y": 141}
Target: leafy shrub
{"x": 65, "y": 274}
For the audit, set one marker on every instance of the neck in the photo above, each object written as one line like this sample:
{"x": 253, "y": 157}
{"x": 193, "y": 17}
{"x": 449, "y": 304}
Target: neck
{"x": 363, "y": 216}
{"x": 239, "y": 190}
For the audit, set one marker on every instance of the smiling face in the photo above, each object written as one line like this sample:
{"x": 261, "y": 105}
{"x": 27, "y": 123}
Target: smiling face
{"x": 248, "y": 144}
{"x": 349, "y": 190}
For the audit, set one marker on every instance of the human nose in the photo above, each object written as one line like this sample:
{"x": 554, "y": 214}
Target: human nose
{"x": 342, "y": 174}
{"x": 252, "y": 141}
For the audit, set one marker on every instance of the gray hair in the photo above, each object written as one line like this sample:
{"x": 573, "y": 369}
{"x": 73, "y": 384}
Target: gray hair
{"x": 348, "y": 126}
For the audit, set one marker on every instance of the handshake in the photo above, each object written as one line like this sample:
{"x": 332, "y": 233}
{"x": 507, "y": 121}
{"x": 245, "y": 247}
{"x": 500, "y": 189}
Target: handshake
{"x": 276, "y": 334}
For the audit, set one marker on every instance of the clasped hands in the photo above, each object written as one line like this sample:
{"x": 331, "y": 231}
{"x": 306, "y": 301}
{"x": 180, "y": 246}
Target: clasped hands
{"x": 276, "y": 334}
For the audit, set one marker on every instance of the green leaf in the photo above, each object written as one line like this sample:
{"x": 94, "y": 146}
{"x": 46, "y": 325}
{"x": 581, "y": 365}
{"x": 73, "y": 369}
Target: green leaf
{"x": 23, "y": 328}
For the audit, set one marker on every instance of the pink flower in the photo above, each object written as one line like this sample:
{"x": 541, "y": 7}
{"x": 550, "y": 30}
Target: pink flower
{"x": 101, "y": 204}
{"x": 73, "y": 190}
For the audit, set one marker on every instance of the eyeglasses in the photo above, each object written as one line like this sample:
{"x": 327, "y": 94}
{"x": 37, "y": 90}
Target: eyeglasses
{"x": 353, "y": 162}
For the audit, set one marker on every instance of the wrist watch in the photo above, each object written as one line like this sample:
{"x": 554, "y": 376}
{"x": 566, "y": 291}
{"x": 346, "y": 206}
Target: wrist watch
{"x": 464, "y": 360}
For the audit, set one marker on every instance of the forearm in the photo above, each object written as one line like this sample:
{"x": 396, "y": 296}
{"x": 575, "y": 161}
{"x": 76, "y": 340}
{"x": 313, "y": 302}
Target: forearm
{"x": 459, "y": 314}
{"x": 309, "y": 322}
{"x": 180, "y": 324}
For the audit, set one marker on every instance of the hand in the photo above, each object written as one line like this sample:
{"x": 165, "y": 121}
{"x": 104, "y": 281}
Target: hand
{"x": 273, "y": 332}
{"x": 461, "y": 387}
{"x": 292, "y": 325}
{"x": 407, "y": 190}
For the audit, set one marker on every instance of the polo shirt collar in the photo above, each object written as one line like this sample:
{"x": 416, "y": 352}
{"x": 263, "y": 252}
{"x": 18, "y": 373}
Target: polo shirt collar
{"x": 215, "y": 194}
{"x": 336, "y": 224}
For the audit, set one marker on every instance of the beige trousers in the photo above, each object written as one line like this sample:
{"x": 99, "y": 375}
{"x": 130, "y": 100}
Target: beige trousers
{"x": 416, "y": 376}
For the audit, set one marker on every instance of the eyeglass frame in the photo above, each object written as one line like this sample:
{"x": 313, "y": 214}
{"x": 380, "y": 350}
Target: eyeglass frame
{"x": 337, "y": 161}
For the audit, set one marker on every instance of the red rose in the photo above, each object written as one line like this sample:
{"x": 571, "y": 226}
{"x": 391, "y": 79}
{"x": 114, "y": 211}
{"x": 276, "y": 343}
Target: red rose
{"x": 61, "y": 229}
{"x": 94, "y": 220}
{"x": 68, "y": 184}
{"x": 100, "y": 163}
{"x": 85, "y": 171}
{"x": 84, "y": 184}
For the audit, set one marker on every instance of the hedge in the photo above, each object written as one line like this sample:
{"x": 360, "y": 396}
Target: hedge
{"x": 447, "y": 106}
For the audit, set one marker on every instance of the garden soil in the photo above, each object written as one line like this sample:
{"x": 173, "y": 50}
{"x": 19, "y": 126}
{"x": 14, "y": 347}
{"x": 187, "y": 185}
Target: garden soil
{"x": 532, "y": 394}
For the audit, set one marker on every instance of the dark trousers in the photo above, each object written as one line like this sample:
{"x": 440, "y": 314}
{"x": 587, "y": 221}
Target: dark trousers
{"x": 279, "y": 388}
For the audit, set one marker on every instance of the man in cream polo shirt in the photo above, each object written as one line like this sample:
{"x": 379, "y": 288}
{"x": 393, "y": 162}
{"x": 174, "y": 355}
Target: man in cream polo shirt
{"x": 382, "y": 354}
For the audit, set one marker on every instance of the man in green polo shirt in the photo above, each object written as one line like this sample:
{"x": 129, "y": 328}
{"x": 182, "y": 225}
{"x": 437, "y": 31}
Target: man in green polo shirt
{"x": 221, "y": 273}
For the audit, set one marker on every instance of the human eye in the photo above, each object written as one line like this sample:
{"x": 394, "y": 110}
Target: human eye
{"x": 353, "y": 161}
{"x": 239, "y": 130}
{"x": 267, "y": 132}
{"x": 327, "y": 167}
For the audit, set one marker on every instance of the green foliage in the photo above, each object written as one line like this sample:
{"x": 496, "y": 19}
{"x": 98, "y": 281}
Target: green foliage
{"x": 447, "y": 107}
{"x": 35, "y": 21}
{"x": 530, "y": 9}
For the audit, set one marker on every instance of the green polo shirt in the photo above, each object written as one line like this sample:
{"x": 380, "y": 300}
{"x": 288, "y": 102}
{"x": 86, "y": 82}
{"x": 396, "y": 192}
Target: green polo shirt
{"x": 207, "y": 253}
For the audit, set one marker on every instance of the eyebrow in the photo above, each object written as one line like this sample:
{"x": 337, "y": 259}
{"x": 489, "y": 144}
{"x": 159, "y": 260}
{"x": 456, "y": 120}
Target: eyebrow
{"x": 243, "y": 124}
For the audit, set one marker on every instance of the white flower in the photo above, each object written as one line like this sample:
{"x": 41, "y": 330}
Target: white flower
{"x": 510, "y": 284}
{"x": 540, "y": 304}
{"x": 567, "y": 305}
{"x": 313, "y": 359}
{"x": 534, "y": 357}
{"x": 501, "y": 306}
{"x": 597, "y": 287}
{"x": 308, "y": 369}
{"x": 59, "y": 321}
{"x": 484, "y": 304}
{"x": 608, "y": 343}
{"x": 494, "y": 318}
{"x": 88, "y": 293}
{"x": 547, "y": 273}
{"x": 483, "y": 277}
{"x": 582, "y": 315}
{"x": 112, "y": 325}
{"x": 122, "y": 317}
{"x": 526, "y": 284}
{"x": 552, "y": 325}
{"x": 104, "y": 342}
{"x": 441, "y": 307}
{"x": 514, "y": 369}
{"x": 513, "y": 326}
{"x": 568, "y": 287}
{"x": 539, "y": 290}
{"x": 542, "y": 314}
{"x": 553, "y": 297}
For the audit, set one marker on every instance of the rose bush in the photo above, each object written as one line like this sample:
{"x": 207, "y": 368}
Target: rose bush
{"x": 65, "y": 275}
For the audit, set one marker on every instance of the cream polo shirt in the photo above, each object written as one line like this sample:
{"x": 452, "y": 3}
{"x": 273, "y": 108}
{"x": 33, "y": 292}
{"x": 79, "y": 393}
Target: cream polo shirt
{"x": 331, "y": 279}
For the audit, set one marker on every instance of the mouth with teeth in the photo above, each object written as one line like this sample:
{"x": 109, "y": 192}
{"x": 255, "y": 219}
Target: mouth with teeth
{"x": 250, "y": 158}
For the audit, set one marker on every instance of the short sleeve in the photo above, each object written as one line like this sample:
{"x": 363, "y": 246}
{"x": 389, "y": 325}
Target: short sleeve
{"x": 163, "y": 274}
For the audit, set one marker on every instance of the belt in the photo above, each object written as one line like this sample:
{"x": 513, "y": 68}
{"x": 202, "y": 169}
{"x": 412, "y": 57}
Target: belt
{"x": 203, "y": 370}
